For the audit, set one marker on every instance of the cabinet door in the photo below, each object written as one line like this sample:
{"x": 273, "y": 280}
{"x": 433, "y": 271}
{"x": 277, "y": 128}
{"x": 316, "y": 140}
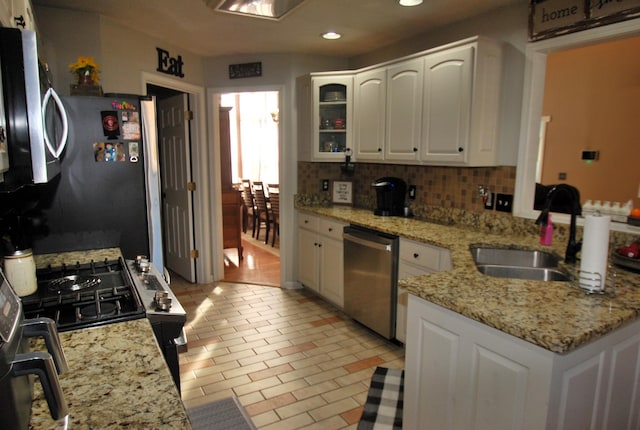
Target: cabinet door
{"x": 448, "y": 86}
{"x": 332, "y": 98}
{"x": 332, "y": 270}
{"x": 369, "y": 108}
{"x": 431, "y": 371}
{"x": 404, "y": 110}
{"x": 308, "y": 258}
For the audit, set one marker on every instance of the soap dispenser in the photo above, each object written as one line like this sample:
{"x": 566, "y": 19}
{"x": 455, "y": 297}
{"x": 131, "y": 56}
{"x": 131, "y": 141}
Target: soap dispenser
{"x": 546, "y": 233}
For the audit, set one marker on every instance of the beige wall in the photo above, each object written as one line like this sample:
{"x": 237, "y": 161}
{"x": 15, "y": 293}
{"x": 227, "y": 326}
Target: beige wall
{"x": 593, "y": 98}
{"x": 122, "y": 53}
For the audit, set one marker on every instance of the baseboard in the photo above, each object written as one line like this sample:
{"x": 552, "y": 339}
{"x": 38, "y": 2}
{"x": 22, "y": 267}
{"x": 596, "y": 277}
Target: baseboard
{"x": 292, "y": 285}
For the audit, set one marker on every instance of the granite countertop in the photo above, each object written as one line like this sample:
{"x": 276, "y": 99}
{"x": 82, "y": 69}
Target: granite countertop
{"x": 117, "y": 375}
{"x": 117, "y": 378}
{"x": 556, "y": 316}
{"x": 72, "y": 257}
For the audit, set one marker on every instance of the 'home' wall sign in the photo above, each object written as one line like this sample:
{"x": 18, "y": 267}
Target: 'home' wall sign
{"x": 168, "y": 64}
{"x": 550, "y": 18}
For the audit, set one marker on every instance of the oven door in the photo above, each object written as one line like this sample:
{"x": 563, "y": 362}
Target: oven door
{"x": 36, "y": 122}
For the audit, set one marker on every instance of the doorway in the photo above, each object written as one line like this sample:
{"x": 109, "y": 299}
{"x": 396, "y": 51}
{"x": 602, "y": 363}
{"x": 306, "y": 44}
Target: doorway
{"x": 254, "y": 151}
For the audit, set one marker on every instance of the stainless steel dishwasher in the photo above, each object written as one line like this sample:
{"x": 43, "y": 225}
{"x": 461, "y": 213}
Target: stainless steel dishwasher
{"x": 370, "y": 278}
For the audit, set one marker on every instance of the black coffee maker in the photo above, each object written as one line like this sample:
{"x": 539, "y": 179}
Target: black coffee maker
{"x": 390, "y": 195}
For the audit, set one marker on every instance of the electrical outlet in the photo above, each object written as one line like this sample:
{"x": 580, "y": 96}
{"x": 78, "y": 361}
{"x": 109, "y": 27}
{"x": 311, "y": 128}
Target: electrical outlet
{"x": 504, "y": 202}
{"x": 488, "y": 204}
{"x": 325, "y": 185}
{"x": 412, "y": 192}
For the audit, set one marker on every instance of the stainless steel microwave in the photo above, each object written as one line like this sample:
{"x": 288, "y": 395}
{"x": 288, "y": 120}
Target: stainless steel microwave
{"x": 35, "y": 123}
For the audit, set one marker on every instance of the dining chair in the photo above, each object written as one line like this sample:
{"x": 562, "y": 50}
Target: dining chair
{"x": 249, "y": 211}
{"x": 263, "y": 217}
{"x": 274, "y": 203}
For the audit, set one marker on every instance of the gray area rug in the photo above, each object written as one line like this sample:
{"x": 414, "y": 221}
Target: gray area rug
{"x": 224, "y": 414}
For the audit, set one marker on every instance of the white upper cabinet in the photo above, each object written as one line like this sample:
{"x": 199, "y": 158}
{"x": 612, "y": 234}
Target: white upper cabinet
{"x": 369, "y": 115}
{"x": 437, "y": 107}
{"x": 324, "y": 126}
{"x": 404, "y": 110}
{"x": 388, "y": 112}
{"x": 461, "y": 105}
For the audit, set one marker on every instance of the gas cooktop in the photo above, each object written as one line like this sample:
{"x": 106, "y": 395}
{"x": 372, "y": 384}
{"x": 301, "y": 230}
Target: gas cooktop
{"x": 84, "y": 295}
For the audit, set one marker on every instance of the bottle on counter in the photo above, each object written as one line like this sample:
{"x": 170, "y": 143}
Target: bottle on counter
{"x": 546, "y": 233}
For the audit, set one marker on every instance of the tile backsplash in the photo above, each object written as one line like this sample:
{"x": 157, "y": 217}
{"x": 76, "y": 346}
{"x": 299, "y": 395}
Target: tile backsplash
{"x": 447, "y": 187}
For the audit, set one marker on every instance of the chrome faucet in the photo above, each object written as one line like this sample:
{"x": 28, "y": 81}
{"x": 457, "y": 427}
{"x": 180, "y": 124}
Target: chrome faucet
{"x": 573, "y": 246}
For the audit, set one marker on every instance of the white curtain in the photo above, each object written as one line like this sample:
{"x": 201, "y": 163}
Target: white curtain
{"x": 254, "y": 135}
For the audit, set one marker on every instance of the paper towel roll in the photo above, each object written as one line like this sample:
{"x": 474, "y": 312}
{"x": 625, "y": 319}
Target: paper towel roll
{"x": 595, "y": 252}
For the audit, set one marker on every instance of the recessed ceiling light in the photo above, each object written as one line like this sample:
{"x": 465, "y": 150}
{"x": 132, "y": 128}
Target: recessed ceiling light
{"x": 331, "y": 35}
{"x": 410, "y": 2}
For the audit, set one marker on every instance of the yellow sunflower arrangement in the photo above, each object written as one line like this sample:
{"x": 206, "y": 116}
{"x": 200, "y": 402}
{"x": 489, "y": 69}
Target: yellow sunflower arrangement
{"x": 87, "y": 70}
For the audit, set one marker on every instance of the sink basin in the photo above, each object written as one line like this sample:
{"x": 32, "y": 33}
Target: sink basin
{"x": 513, "y": 257}
{"x": 520, "y": 272}
{"x": 519, "y": 264}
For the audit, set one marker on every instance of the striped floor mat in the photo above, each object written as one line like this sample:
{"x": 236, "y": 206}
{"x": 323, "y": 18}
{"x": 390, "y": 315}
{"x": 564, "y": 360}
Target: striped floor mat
{"x": 383, "y": 409}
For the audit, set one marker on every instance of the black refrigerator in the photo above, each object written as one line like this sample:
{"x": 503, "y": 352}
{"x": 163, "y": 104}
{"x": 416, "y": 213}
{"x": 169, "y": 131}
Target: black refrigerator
{"x": 107, "y": 193}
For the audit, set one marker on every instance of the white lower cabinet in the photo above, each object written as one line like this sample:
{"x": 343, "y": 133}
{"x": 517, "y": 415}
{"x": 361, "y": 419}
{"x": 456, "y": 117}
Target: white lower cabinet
{"x": 461, "y": 374}
{"x": 320, "y": 253}
{"x": 416, "y": 259}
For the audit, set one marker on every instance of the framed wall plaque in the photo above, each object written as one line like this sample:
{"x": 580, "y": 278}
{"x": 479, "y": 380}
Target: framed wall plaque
{"x": 342, "y": 192}
{"x": 245, "y": 70}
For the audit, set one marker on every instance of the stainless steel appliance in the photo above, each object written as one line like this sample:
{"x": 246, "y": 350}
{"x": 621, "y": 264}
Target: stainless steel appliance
{"x": 390, "y": 196}
{"x": 103, "y": 292}
{"x": 35, "y": 124}
{"x": 370, "y": 278}
{"x": 17, "y": 363}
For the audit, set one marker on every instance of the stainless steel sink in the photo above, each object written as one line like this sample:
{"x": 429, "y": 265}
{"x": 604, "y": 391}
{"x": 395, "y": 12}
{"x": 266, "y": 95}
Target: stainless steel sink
{"x": 519, "y": 264}
{"x": 513, "y": 257}
{"x": 520, "y": 272}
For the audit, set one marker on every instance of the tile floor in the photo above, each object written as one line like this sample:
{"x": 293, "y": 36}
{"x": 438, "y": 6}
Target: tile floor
{"x": 294, "y": 361}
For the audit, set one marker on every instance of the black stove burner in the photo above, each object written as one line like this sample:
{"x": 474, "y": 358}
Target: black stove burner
{"x": 84, "y": 295}
{"x": 73, "y": 283}
{"x": 91, "y": 312}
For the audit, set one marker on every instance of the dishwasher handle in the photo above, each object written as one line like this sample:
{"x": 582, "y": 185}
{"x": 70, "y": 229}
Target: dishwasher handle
{"x": 382, "y": 246}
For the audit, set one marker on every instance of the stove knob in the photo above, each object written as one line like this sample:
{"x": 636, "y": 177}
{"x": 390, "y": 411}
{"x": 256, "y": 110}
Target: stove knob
{"x": 164, "y": 304}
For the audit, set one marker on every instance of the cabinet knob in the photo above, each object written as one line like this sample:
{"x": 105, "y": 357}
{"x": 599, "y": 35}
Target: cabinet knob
{"x": 460, "y": 149}
{"x": 416, "y": 255}
{"x": 319, "y": 245}
{"x": 330, "y": 229}
{"x": 415, "y": 149}
{"x": 379, "y": 149}
{"x": 306, "y": 221}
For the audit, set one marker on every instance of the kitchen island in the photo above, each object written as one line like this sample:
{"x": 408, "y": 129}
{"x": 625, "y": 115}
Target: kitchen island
{"x": 117, "y": 378}
{"x": 488, "y": 352}
{"x": 552, "y": 315}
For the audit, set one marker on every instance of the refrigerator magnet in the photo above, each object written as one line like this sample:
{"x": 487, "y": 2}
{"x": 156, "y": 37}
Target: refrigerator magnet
{"x": 134, "y": 153}
{"x": 110, "y": 125}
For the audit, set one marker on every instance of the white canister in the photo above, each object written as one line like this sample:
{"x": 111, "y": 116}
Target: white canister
{"x": 20, "y": 270}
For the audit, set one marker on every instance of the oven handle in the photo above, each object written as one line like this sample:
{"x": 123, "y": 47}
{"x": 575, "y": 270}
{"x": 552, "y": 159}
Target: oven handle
{"x": 46, "y": 328}
{"x": 41, "y": 364}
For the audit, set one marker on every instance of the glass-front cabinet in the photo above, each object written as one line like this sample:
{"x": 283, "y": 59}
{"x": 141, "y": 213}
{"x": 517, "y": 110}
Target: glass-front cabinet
{"x": 326, "y": 131}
